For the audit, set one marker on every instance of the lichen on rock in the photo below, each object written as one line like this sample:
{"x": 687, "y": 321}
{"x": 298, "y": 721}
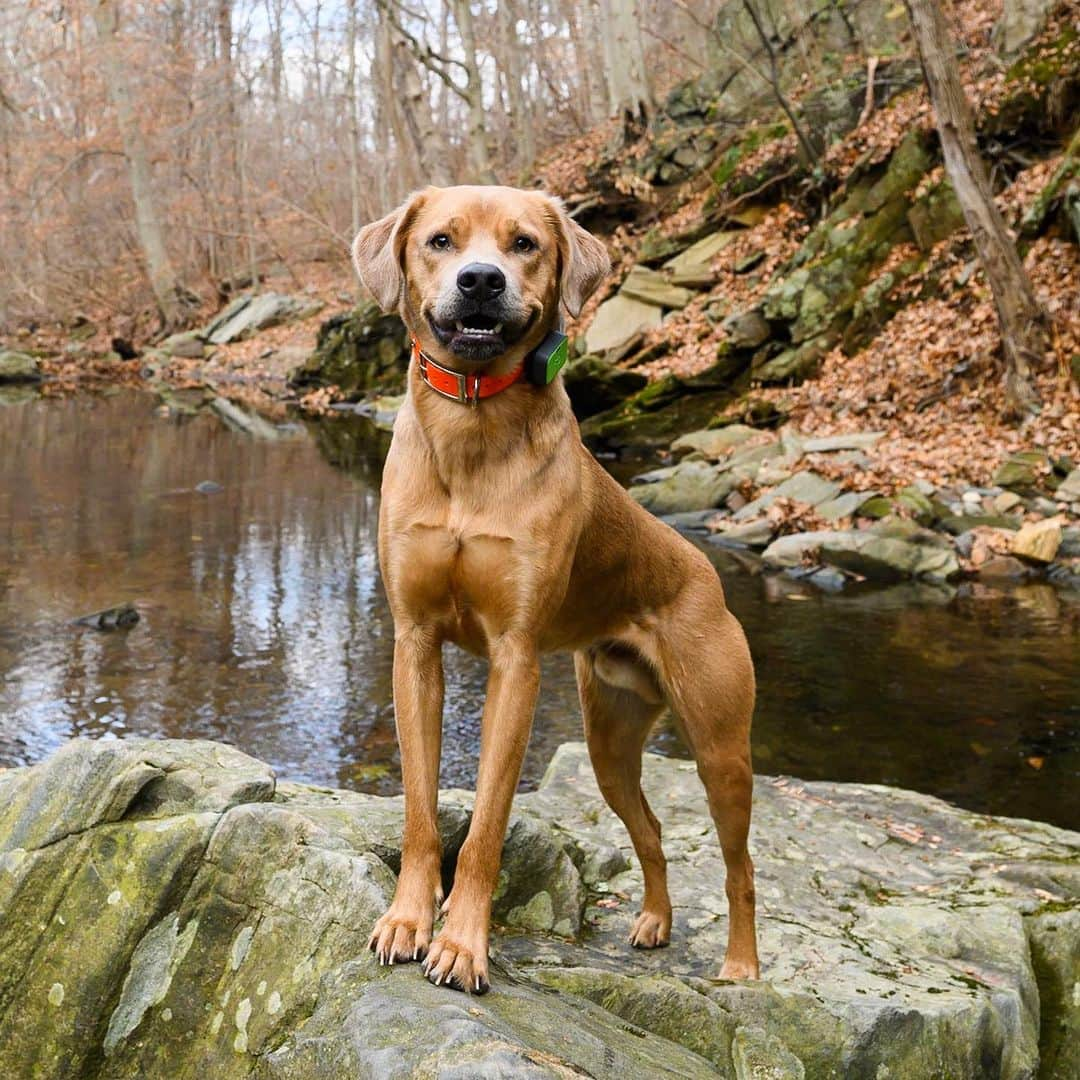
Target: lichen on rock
{"x": 897, "y": 933}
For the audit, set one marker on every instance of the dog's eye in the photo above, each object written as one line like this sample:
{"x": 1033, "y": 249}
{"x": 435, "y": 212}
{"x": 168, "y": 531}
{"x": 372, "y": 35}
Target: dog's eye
{"x": 524, "y": 244}
{"x": 440, "y": 242}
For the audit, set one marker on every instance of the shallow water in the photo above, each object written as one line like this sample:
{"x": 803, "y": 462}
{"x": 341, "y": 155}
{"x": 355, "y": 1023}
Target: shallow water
{"x": 264, "y": 624}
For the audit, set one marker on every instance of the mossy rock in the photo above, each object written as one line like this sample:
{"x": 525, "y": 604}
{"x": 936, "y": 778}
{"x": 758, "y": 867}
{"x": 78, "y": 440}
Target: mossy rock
{"x": 357, "y": 351}
{"x": 594, "y": 385}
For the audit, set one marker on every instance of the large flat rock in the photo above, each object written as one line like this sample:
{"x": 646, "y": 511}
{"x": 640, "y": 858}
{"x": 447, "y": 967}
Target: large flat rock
{"x": 617, "y": 320}
{"x": 168, "y": 909}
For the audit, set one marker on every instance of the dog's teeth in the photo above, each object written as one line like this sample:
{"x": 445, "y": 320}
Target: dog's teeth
{"x": 498, "y": 328}
{"x": 460, "y": 327}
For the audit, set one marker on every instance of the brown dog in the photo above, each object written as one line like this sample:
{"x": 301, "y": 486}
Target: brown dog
{"x": 501, "y": 533}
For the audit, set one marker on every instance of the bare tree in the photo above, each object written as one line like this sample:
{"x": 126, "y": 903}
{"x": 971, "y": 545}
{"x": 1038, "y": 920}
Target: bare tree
{"x": 629, "y": 86}
{"x": 773, "y": 79}
{"x": 1021, "y": 318}
{"x": 163, "y": 280}
{"x": 511, "y": 67}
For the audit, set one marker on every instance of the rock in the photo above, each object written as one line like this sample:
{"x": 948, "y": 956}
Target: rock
{"x": 748, "y": 262}
{"x": 1070, "y": 542}
{"x": 357, "y": 351}
{"x": 1003, "y": 568}
{"x": 793, "y": 365}
{"x": 247, "y": 315}
{"x": 695, "y": 277}
{"x": 804, "y": 487}
{"x": 1009, "y": 500}
{"x": 807, "y": 487}
{"x": 701, "y": 254}
{"x": 617, "y": 320}
{"x": 957, "y": 524}
{"x": 18, "y": 367}
{"x": 208, "y": 487}
{"x": 853, "y": 440}
{"x": 1038, "y": 540}
{"x": 843, "y": 505}
{"x": 651, "y": 287}
{"x": 1068, "y": 490}
{"x": 1022, "y": 470}
{"x": 917, "y": 504}
{"x": 877, "y": 506}
{"x": 881, "y": 558}
{"x": 170, "y": 909}
{"x": 691, "y": 485}
{"x": 190, "y": 345}
{"x": 935, "y": 215}
{"x": 714, "y": 442}
{"x": 747, "y": 329}
{"x": 1020, "y": 21}
{"x": 753, "y": 534}
{"x": 595, "y": 385}
{"x": 119, "y": 617}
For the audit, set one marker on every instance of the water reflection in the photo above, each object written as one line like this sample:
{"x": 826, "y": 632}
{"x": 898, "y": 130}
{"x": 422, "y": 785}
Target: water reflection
{"x": 264, "y": 624}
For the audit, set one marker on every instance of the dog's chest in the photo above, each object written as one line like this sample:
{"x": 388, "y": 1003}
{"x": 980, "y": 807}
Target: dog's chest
{"x": 462, "y": 577}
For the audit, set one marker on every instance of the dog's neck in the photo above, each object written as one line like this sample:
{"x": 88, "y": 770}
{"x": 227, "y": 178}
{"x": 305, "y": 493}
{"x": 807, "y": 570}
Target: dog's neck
{"x": 466, "y": 441}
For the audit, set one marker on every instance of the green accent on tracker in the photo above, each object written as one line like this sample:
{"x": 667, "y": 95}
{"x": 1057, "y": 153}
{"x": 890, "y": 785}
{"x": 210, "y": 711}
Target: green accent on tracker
{"x": 548, "y": 359}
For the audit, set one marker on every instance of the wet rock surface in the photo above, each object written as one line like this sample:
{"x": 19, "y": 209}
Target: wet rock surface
{"x": 170, "y": 909}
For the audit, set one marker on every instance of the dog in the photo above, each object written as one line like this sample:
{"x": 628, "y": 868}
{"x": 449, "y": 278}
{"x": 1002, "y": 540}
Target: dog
{"x": 499, "y": 532}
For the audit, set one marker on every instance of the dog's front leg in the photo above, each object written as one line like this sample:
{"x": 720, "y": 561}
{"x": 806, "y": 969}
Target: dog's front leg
{"x": 459, "y": 955}
{"x": 404, "y": 931}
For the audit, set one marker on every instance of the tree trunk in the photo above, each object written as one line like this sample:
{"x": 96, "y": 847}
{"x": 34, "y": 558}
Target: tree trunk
{"x": 354, "y": 119}
{"x": 428, "y": 147}
{"x": 479, "y": 158}
{"x": 631, "y": 94}
{"x": 1022, "y": 320}
{"x": 510, "y": 62}
{"x": 585, "y": 37}
{"x": 163, "y": 281}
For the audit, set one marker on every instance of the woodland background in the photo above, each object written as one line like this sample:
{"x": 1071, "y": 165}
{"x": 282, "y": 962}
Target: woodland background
{"x": 184, "y": 145}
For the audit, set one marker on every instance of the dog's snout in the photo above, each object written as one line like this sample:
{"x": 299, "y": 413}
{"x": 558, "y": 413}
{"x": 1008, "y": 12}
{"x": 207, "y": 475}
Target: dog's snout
{"x": 480, "y": 281}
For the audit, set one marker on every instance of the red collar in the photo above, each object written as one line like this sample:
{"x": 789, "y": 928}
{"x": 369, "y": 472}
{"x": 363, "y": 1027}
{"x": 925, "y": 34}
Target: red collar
{"x": 468, "y": 389}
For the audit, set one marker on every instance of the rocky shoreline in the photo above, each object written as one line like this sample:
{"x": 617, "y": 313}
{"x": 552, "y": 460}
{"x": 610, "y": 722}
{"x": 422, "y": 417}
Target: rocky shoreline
{"x": 796, "y": 500}
{"x": 171, "y": 909}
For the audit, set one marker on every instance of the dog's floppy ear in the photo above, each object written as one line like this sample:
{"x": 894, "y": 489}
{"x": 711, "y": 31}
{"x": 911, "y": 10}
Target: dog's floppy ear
{"x": 583, "y": 259}
{"x": 378, "y": 252}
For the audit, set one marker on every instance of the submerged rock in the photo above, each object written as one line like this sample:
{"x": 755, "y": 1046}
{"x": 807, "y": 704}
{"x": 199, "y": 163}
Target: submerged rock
{"x": 118, "y": 617}
{"x": 170, "y": 910}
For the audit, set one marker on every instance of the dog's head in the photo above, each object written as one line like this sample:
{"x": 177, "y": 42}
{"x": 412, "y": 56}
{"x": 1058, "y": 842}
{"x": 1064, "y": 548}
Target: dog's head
{"x": 478, "y": 273}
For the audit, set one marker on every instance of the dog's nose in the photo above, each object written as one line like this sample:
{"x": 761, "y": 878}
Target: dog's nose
{"x": 480, "y": 281}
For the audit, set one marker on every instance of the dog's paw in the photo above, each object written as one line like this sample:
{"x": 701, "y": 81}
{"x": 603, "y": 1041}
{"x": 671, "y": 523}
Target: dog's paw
{"x": 458, "y": 961}
{"x": 651, "y": 930}
{"x": 739, "y": 969}
{"x": 399, "y": 938}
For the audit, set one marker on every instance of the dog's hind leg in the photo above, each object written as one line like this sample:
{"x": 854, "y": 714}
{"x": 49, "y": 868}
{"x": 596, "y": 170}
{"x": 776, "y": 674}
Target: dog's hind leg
{"x": 708, "y": 678}
{"x": 620, "y": 704}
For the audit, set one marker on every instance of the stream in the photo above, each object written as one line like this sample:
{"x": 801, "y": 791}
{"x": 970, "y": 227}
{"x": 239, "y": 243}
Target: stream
{"x": 264, "y": 624}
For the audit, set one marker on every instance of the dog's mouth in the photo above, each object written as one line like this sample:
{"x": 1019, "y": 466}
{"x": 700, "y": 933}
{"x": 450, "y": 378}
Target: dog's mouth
{"x": 477, "y": 336}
